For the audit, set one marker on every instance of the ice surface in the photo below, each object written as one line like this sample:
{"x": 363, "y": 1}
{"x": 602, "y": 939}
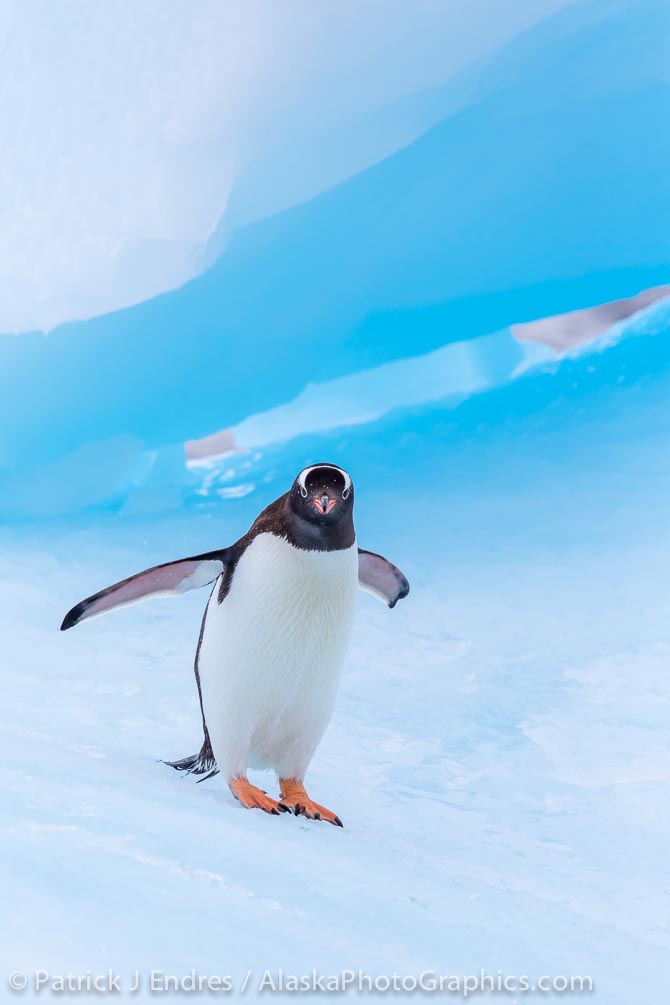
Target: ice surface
{"x": 449, "y": 374}
{"x": 123, "y": 136}
{"x": 469, "y": 229}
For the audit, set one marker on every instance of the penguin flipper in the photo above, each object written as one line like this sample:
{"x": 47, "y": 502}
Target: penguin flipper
{"x": 381, "y": 578}
{"x": 168, "y": 580}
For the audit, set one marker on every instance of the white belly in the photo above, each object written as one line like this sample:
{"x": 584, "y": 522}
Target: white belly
{"x": 272, "y": 653}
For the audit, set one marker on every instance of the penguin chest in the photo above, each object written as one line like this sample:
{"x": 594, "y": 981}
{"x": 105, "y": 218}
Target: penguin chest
{"x": 272, "y": 651}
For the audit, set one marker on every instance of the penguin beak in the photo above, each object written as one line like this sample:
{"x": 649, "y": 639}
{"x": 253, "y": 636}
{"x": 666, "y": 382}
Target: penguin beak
{"x": 324, "y": 504}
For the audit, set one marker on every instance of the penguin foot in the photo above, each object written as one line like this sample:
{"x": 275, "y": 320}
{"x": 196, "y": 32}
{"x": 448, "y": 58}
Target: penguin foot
{"x": 292, "y": 797}
{"x": 254, "y": 798}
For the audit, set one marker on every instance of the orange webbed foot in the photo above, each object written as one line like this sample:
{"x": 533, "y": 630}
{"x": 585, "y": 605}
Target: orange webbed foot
{"x": 293, "y": 797}
{"x": 254, "y": 798}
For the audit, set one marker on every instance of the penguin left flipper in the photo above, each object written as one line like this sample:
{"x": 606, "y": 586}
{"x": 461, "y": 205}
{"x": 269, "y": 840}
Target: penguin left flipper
{"x": 381, "y": 578}
{"x": 168, "y": 580}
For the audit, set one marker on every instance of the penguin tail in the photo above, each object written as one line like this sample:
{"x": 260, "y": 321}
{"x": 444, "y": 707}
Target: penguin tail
{"x": 202, "y": 763}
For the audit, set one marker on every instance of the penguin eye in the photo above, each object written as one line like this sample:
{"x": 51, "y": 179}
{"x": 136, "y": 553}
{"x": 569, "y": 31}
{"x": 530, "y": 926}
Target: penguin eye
{"x": 345, "y": 494}
{"x": 303, "y": 491}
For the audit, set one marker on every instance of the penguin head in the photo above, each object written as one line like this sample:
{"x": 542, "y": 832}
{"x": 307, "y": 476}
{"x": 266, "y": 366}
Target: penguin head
{"x": 323, "y": 494}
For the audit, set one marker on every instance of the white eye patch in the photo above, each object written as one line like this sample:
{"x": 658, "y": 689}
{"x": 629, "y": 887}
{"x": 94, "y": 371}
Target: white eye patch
{"x": 303, "y": 476}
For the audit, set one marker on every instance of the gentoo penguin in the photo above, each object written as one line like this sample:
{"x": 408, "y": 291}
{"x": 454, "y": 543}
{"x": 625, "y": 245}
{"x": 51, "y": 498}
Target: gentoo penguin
{"x": 274, "y": 635}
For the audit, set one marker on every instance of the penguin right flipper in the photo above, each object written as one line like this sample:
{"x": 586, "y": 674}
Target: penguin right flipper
{"x": 168, "y": 580}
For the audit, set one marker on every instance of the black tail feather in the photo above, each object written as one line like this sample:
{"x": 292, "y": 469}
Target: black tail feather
{"x": 198, "y": 764}
{"x": 210, "y": 775}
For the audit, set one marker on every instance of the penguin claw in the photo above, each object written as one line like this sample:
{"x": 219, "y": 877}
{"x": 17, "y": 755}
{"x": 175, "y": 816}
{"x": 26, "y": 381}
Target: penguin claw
{"x": 314, "y": 811}
{"x": 293, "y": 796}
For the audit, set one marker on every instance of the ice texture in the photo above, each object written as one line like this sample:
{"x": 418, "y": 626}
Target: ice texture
{"x": 134, "y": 142}
{"x": 547, "y": 193}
